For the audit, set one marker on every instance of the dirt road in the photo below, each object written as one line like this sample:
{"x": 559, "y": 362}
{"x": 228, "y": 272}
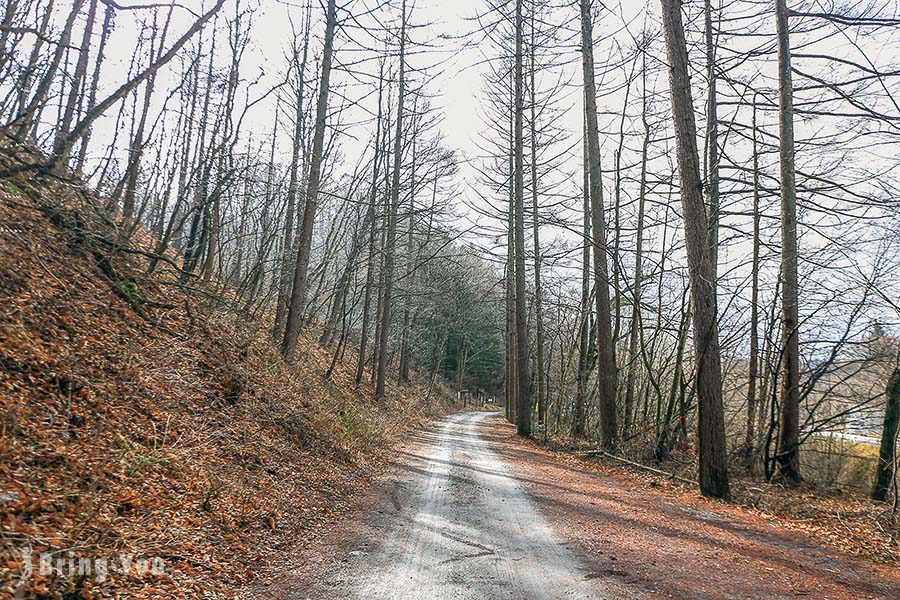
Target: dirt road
{"x": 460, "y": 525}
{"x": 473, "y": 512}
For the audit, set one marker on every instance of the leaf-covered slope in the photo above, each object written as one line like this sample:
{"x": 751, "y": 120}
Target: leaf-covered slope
{"x": 136, "y": 419}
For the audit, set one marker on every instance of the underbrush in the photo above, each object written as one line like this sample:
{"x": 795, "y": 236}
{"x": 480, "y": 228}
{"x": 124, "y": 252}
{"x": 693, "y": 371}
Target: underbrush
{"x": 835, "y": 463}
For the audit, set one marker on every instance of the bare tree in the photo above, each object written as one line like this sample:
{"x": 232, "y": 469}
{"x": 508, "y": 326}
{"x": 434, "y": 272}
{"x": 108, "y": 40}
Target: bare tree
{"x": 391, "y": 243}
{"x": 298, "y": 292}
{"x": 536, "y": 231}
{"x": 298, "y": 63}
{"x": 606, "y": 355}
{"x": 788, "y": 456}
{"x": 712, "y": 135}
{"x": 711, "y": 427}
{"x": 753, "y": 366}
{"x": 523, "y": 378}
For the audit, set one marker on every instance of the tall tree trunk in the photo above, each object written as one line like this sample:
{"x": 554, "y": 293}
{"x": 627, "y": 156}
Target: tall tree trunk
{"x": 584, "y": 319}
{"x": 633, "y": 333}
{"x": 617, "y": 216}
{"x": 25, "y": 79}
{"x": 884, "y": 470}
{"x": 510, "y": 355}
{"x": 788, "y": 456}
{"x": 713, "y": 470}
{"x": 175, "y": 228}
{"x": 136, "y": 150}
{"x": 382, "y": 241}
{"x": 287, "y": 250}
{"x": 204, "y": 166}
{"x": 523, "y": 388}
{"x": 403, "y": 374}
{"x": 753, "y": 368}
{"x": 298, "y": 292}
{"x": 536, "y": 239}
{"x": 768, "y": 394}
{"x": 712, "y": 138}
{"x": 9, "y": 15}
{"x": 370, "y": 263}
{"x": 392, "y": 220}
{"x": 606, "y": 356}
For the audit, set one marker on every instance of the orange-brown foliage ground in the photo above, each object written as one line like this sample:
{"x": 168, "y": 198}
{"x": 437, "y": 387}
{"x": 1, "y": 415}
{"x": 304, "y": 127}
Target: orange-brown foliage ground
{"x": 138, "y": 418}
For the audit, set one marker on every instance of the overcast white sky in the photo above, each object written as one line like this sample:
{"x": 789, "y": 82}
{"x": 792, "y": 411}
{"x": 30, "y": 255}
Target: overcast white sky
{"x": 457, "y": 90}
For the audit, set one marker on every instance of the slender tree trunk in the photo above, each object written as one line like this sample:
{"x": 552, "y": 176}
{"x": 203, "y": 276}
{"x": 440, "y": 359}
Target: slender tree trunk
{"x": 367, "y": 299}
{"x": 536, "y": 239}
{"x": 287, "y": 250}
{"x": 606, "y": 357}
{"x": 768, "y": 421}
{"x": 584, "y": 322}
{"x": 633, "y": 333}
{"x": 392, "y": 220}
{"x": 511, "y": 385}
{"x": 338, "y": 352}
{"x": 753, "y": 368}
{"x": 137, "y": 143}
{"x": 186, "y": 172}
{"x": 711, "y": 426}
{"x": 342, "y": 285}
{"x": 203, "y": 166}
{"x": 712, "y": 138}
{"x": 461, "y": 352}
{"x": 403, "y": 374}
{"x": 664, "y": 439}
{"x": 238, "y": 275}
{"x": 212, "y": 242}
{"x": 25, "y": 80}
{"x": 788, "y": 456}
{"x": 175, "y": 228}
{"x": 9, "y": 15}
{"x": 379, "y": 304}
{"x": 617, "y": 218}
{"x": 298, "y": 293}
{"x": 370, "y": 266}
{"x": 523, "y": 389}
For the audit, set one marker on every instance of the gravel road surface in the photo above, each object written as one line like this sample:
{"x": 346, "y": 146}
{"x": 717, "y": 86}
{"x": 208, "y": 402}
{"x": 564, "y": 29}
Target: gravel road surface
{"x": 460, "y": 526}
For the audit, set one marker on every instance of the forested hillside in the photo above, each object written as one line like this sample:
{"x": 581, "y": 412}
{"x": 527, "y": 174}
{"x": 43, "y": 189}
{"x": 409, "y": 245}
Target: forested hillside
{"x": 246, "y": 245}
{"x": 149, "y": 419}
